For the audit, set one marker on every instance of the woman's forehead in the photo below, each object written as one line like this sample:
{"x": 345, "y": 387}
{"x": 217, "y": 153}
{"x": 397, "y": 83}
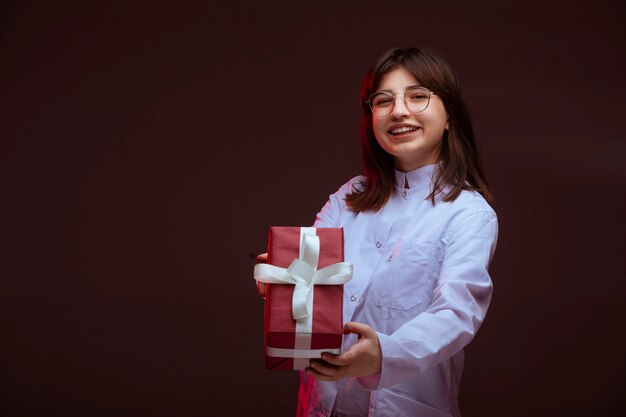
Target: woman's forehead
{"x": 398, "y": 77}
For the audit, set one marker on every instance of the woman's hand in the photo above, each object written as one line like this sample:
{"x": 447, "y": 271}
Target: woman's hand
{"x": 260, "y": 286}
{"x": 362, "y": 359}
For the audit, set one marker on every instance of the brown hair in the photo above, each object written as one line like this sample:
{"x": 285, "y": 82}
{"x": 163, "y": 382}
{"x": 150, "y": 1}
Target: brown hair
{"x": 460, "y": 166}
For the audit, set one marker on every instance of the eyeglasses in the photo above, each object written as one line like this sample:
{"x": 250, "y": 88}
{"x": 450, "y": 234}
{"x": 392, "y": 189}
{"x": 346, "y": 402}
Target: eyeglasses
{"x": 416, "y": 99}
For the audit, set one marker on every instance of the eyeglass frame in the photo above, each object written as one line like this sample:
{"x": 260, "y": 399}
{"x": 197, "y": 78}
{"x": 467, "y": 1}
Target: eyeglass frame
{"x": 369, "y": 100}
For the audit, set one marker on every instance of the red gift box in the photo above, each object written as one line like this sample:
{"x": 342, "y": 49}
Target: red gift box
{"x": 326, "y": 322}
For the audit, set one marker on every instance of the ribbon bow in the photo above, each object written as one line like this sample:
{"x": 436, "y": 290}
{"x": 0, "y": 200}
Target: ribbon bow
{"x": 304, "y": 274}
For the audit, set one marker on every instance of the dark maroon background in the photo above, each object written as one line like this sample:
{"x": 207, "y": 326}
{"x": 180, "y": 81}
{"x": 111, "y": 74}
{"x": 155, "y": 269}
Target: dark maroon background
{"x": 145, "y": 150}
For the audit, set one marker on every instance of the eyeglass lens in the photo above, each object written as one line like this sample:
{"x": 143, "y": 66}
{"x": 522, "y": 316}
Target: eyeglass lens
{"x": 416, "y": 100}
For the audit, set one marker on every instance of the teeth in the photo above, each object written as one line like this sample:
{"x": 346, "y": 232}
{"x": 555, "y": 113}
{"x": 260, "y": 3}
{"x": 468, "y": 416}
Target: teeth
{"x": 402, "y": 130}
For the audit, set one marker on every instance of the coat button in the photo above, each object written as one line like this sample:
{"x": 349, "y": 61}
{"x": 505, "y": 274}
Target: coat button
{"x": 352, "y": 298}
{"x": 404, "y": 194}
{"x": 379, "y": 244}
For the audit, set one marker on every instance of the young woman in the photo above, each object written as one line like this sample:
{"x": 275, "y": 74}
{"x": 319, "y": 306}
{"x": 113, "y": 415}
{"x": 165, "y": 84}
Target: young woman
{"x": 420, "y": 234}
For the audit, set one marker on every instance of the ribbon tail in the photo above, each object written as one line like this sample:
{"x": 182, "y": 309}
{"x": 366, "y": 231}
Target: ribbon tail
{"x": 303, "y": 274}
{"x": 309, "y": 301}
{"x": 335, "y": 274}
{"x": 272, "y": 274}
{"x": 299, "y": 302}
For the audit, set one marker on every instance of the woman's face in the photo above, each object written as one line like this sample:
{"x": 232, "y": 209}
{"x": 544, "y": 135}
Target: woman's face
{"x": 414, "y": 139}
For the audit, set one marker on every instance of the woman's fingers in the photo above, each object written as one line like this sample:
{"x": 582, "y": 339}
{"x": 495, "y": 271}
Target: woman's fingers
{"x": 364, "y": 358}
{"x": 317, "y": 375}
{"x": 260, "y": 286}
{"x": 363, "y": 330}
{"x": 343, "y": 359}
{"x": 325, "y": 371}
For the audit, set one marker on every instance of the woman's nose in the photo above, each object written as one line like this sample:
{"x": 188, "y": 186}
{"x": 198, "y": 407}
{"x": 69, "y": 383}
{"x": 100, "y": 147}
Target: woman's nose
{"x": 400, "y": 108}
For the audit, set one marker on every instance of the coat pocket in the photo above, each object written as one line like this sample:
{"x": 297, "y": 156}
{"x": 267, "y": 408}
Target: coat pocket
{"x": 405, "y": 280}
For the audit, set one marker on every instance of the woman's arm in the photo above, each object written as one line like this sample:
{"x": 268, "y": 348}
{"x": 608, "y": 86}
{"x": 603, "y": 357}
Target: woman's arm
{"x": 457, "y": 310}
{"x": 459, "y": 305}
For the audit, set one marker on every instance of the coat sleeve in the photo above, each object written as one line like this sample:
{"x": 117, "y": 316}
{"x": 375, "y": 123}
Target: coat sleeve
{"x": 460, "y": 301}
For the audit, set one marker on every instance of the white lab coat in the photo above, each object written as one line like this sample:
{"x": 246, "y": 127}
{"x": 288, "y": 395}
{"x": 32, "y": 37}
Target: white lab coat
{"x": 420, "y": 281}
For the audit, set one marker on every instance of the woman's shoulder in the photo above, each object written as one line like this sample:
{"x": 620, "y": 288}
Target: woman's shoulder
{"x": 471, "y": 203}
{"x": 472, "y": 218}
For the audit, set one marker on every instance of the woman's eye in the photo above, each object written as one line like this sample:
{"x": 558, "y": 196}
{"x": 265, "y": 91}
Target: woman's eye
{"x": 417, "y": 96}
{"x": 383, "y": 102}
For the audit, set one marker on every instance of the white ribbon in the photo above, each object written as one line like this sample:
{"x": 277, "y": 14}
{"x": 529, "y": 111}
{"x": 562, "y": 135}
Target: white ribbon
{"x": 300, "y": 353}
{"x": 304, "y": 274}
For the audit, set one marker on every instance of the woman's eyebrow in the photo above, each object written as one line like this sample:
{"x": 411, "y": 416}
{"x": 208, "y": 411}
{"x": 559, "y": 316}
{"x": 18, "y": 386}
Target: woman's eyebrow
{"x": 406, "y": 89}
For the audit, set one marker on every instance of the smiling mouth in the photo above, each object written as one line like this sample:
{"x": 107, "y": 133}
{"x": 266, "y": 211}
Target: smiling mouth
{"x": 401, "y": 131}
